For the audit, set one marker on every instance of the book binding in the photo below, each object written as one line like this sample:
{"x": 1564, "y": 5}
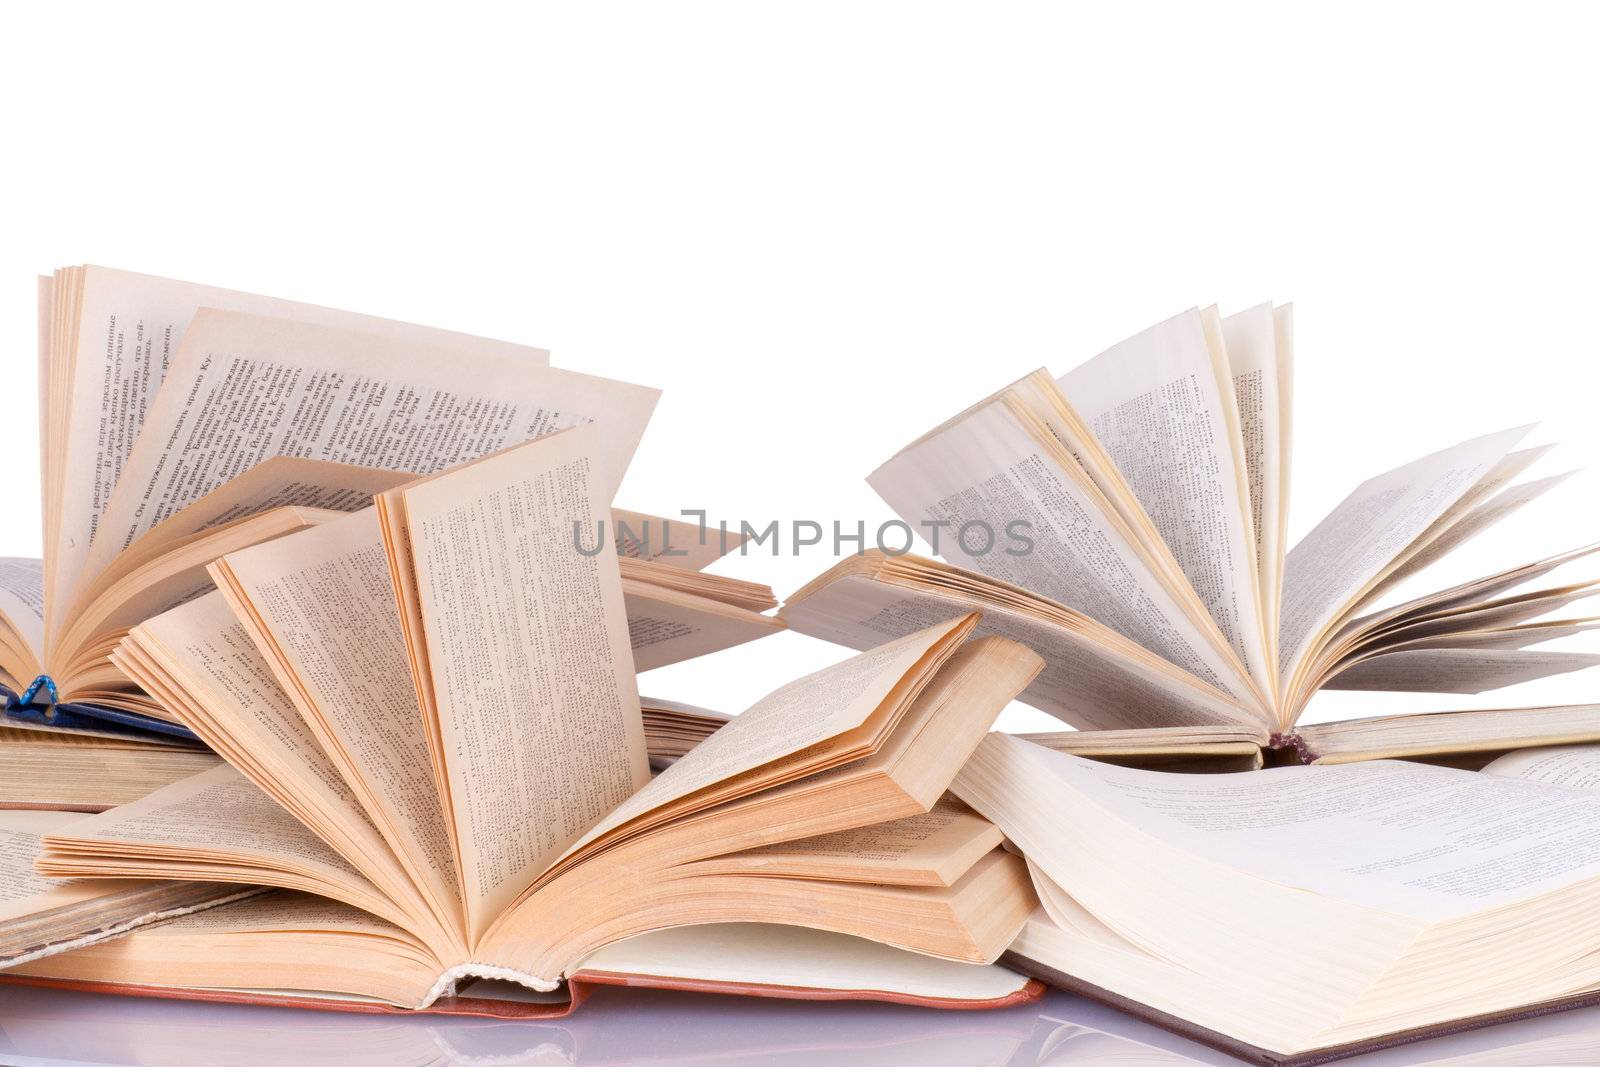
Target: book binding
{"x": 26, "y": 708}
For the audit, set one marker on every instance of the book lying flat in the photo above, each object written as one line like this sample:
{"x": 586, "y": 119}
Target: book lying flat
{"x": 1302, "y": 914}
{"x": 156, "y": 394}
{"x": 64, "y": 770}
{"x": 429, "y": 715}
{"x": 40, "y": 917}
{"x": 613, "y": 1026}
{"x": 58, "y": 768}
{"x": 267, "y": 941}
{"x": 1128, "y": 521}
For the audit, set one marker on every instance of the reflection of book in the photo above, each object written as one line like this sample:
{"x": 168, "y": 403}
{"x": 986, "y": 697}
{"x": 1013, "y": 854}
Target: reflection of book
{"x": 430, "y": 715}
{"x": 1300, "y": 914}
{"x": 616, "y": 1027}
{"x": 163, "y": 405}
{"x": 1128, "y": 521}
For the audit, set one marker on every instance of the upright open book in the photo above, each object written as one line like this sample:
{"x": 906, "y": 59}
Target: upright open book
{"x": 433, "y": 735}
{"x": 183, "y": 422}
{"x": 1128, "y": 522}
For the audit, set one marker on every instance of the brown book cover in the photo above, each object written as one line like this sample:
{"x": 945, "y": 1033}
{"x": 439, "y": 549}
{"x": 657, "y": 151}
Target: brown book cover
{"x": 578, "y": 988}
{"x": 1254, "y": 1053}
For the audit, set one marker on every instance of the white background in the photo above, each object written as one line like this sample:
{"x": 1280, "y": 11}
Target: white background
{"x": 823, "y": 228}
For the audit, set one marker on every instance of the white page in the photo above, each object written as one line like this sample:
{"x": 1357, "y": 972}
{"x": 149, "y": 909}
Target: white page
{"x": 1157, "y": 406}
{"x": 986, "y": 468}
{"x": 1569, "y": 766}
{"x": 1251, "y": 338}
{"x": 1328, "y": 569}
{"x": 22, "y": 600}
{"x": 132, "y": 324}
{"x": 1433, "y": 843}
{"x": 245, "y": 388}
{"x": 1083, "y": 682}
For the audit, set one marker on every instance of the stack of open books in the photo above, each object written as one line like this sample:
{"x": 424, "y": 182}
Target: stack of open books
{"x": 330, "y": 613}
{"x": 1296, "y": 914}
{"x": 183, "y": 422}
{"x": 346, "y": 606}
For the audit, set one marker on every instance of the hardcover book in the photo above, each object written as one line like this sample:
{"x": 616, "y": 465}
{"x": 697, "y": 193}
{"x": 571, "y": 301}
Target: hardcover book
{"x": 1299, "y": 915}
{"x": 433, "y": 737}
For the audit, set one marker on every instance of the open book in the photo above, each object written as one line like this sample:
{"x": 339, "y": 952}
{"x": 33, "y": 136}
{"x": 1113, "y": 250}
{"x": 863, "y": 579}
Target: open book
{"x": 431, "y": 723}
{"x": 156, "y": 396}
{"x": 40, "y": 917}
{"x": 1307, "y": 912}
{"x": 1128, "y": 522}
{"x": 616, "y": 1027}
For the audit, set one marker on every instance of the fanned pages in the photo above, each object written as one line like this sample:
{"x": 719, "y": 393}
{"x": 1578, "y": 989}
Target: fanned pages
{"x": 1128, "y": 522}
{"x": 40, "y": 917}
{"x": 430, "y": 714}
{"x": 183, "y": 422}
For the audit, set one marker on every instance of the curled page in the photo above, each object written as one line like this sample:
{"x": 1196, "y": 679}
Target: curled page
{"x": 1348, "y": 550}
{"x": 1087, "y": 680}
{"x": 1570, "y": 766}
{"x": 1162, "y": 406}
{"x": 322, "y": 610}
{"x": 984, "y": 472}
{"x": 22, "y": 607}
{"x": 243, "y": 389}
{"x": 118, "y": 340}
{"x": 523, "y": 656}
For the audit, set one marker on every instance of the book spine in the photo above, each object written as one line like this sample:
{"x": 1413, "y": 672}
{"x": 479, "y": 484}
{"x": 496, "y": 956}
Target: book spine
{"x": 446, "y": 984}
{"x": 1293, "y": 744}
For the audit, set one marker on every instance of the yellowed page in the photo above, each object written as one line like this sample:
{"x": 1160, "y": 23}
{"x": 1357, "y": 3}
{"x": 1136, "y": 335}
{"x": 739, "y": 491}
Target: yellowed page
{"x": 681, "y": 542}
{"x": 216, "y": 819}
{"x": 934, "y": 848}
{"x": 805, "y": 712}
{"x": 232, "y": 700}
{"x": 666, "y": 627}
{"x": 282, "y": 481}
{"x": 322, "y": 611}
{"x": 245, "y": 388}
{"x": 128, "y": 329}
{"x": 22, "y": 890}
{"x": 163, "y": 583}
{"x": 531, "y": 670}
{"x": 1088, "y": 682}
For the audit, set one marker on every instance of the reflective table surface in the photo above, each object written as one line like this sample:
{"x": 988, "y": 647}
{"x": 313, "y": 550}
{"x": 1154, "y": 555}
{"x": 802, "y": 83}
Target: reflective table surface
{"x": 619, "y": 1026}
